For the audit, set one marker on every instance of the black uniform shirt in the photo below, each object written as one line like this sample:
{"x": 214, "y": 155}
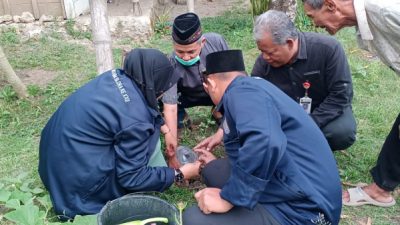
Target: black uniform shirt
{"x": 322, "y": 62}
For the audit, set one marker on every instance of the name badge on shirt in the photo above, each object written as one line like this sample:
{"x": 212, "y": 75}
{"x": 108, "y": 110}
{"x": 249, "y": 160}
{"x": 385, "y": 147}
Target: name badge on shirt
{"x": 306, "y": 101}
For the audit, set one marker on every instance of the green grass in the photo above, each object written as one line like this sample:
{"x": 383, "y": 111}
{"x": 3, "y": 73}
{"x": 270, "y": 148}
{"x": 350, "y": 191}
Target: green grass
{"x": 376, "y": 103}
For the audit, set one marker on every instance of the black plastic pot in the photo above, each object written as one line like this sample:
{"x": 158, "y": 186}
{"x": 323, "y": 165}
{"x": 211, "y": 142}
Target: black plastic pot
{"x": 137, "y": 207}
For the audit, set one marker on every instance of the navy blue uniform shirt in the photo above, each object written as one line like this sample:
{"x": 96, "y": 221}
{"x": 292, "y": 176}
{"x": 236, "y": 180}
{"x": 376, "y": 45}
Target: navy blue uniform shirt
{"x": 97, "y": 145}
{"x": 279, "y": 158}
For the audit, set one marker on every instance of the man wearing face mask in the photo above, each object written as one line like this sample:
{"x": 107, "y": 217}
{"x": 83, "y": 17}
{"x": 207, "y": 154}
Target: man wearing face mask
{"x": 191, "y": 47}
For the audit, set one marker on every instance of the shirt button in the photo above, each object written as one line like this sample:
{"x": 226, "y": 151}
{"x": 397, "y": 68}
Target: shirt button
{"x": 291, "y": 68}
{"x": 294, "y": 83}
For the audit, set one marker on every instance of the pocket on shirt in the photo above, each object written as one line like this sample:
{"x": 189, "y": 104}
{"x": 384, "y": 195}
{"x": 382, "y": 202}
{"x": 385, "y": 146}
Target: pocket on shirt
{"x": 312, "y": 75}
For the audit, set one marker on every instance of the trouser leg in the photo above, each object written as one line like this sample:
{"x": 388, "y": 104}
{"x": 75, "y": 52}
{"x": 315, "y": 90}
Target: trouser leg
{"x": 216, "y": 174}
{"x": 235, "y": 216}
{"x": 157, "y": 158}
{"x": 386, "y": 173}
{"x": 181, "y": 116}
{"x": 341, "y": 132}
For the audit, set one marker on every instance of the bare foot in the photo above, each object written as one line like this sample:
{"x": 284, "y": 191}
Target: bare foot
{"x": 374, "y": 191}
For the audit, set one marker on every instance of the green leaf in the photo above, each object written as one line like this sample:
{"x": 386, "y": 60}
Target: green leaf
{"x": 13, "y": 204}
{"x": 22, "y": 196}
{"x": 37, "y": 190}
{"x": 45, "y": 201}
{"x": 25, "y": 215}
{"x": 4, "y": 195}
{"x": 85, "y": 220}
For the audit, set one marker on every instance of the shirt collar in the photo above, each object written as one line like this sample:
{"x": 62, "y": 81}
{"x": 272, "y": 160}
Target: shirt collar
{"x": 219, "y": 107}
{"x": 361, "y": 14}
{"x": 302, "y": 53}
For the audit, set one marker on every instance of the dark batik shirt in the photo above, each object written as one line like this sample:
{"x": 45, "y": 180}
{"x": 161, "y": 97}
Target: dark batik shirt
{"x": 322, "y": 62}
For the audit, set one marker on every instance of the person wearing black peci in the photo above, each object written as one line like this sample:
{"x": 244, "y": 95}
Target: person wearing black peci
{"x": 191, "y": 46}
{"x": 279, "y": 167}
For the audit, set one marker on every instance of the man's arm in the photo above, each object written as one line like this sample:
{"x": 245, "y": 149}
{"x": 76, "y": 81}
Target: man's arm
{"x": 131, "y": 161}
{"x": 338, "y": 81}
{"x": 169, "y": 129}
{"x": 262, "y": 144}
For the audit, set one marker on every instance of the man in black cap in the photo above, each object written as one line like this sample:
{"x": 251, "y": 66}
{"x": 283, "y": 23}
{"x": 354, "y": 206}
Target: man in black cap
{"x": 191, "y": 47}
{"x": 280, "y": 169}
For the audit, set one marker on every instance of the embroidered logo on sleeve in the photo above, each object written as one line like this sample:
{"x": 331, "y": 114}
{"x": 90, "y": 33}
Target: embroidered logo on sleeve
{"x": 120, "y": 86}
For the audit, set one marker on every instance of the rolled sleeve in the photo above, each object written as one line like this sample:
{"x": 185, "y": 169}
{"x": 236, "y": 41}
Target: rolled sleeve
{"x": 171, "y": 95}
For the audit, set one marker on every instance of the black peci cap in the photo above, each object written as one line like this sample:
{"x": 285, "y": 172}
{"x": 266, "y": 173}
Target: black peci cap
{"x": 225, "y": 61}
{"x": 186, "y": 29}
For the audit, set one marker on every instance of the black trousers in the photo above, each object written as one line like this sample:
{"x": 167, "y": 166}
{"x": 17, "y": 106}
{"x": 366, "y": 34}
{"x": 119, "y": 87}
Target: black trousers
{"x": 386, "y": 173}
{"x": 216, "y": 174}
{"x": 341, "y": 132}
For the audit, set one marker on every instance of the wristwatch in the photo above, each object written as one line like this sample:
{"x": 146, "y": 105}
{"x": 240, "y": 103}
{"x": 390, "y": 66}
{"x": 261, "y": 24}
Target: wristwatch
{"x": 179, "y": 178}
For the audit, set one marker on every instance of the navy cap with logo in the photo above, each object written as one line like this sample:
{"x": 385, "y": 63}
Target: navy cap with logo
{"x": 186, "y": 29}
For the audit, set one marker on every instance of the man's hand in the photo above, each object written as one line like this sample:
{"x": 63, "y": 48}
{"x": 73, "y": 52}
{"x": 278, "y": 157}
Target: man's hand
{"x": 190, "y": 170}
{"x": 211, "y": 142}
{"x": 171, "y": 144}
{"x": 209, "y": 201}
{"x": 205, "y": 156}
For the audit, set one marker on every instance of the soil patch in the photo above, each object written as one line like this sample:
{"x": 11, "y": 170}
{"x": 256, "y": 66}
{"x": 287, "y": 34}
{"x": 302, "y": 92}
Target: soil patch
{"x": 37, "y": 77}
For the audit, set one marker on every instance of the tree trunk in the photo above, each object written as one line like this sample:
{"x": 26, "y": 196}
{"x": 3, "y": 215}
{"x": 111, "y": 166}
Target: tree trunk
{"x": 190, "y": 5}
{"x": 161, "y": 12}
{"x": 101, "y": 35}
{"x": 287, "y": 6}
{"x": 11, "y": 77}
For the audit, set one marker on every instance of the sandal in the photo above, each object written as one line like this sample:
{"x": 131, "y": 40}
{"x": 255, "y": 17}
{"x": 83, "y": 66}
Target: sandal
{"x": 357, "y": 197}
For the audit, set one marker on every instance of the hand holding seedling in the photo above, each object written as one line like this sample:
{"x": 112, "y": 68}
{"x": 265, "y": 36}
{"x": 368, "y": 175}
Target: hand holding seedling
{"x": 205, "y": 156}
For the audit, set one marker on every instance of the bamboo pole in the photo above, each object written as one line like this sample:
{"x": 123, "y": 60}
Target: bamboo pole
{"x": 101, "y": 35}
{"x": 190, "y": 5}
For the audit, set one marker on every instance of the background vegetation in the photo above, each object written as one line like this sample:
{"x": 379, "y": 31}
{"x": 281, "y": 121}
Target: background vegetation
{"x": 376, "y": 104}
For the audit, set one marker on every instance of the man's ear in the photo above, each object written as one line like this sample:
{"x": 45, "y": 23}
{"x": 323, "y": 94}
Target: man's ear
{"x": 330, "y": 5}
{"x": 290, "y": 42}
{"x": 203, "y": 41}
{"x": 211, "y": 85}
